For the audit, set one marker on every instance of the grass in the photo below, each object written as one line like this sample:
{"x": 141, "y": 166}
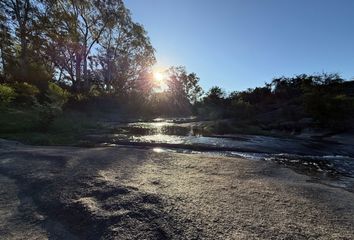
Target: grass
{"x": 17, "y": 120}
{"x": 70, "y": 127}
{"x": 24, "y": 125}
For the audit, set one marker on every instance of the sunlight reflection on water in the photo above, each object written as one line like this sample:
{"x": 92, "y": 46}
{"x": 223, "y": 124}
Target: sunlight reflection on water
{"x": 318, "y": 159}
{"x": 158, "y": 150}
{"x": 159, "y": 138}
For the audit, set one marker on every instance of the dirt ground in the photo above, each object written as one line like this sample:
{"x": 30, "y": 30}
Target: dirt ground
{"x": 129, "y": 193}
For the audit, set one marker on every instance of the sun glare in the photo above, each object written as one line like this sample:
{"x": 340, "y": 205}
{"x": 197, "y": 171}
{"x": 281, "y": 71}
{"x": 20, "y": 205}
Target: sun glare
{"x": 159, "y": 77}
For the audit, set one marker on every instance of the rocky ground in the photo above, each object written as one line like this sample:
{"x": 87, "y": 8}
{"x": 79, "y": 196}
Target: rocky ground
{"x": 129, "y": 193}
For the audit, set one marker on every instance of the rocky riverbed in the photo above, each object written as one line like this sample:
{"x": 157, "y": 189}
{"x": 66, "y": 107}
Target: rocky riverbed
{"x": 131, "y": 193}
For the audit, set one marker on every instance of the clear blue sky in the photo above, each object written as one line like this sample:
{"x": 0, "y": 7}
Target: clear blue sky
{"x": 237, "y": 44}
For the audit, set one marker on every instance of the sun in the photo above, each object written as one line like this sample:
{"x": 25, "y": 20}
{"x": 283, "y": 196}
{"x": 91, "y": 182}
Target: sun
{"x": 160, "y": 80}
{"x": 159, "y": 77}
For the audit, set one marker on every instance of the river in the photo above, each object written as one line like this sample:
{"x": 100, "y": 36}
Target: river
{"x": 330, "y": 162}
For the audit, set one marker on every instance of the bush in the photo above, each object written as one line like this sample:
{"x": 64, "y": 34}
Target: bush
{"x": 332, "y": 111}
{"x": 36, "y": 75}
{"x": 56, "y": 97}
{"x": 7, "y": 95}
{"x": 242, "y": 109}
{"x": 26, "y": 94}
{"x": 94, "y": 91}
{"x": 13, "y": 120}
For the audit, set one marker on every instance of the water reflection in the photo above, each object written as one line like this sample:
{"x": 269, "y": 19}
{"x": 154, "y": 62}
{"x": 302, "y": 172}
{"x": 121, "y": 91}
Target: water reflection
{"x": 158, "y": 150}
{"x": 335, "y": 171}
{"x": 315, "y": 158}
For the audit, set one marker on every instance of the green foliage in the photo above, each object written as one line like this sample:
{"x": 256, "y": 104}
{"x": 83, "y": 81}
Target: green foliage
{"x": 326, "y": 99}
{"x": 182, "y": 85}
{"x": 91, "y": 47}
{"x": 57, "y": 96}
{"x": 330, "y": 110}
{"x": 213, "y": 105}
{"x": 26, "y": 94}
{"x": 36, "y": 75}
{"x": 52, "y": 107}
{"x": 13, "y": 121}
{"x": 183, "y": 89}
{"x": 242, "y": 109}
{"x": 7, "y": 95}
{"x": 100, "y": 57}
{"x": 24, "y": 125}
{"x": 79, "y": 97}
{"x": 94, "y": 91}
{"x": 215, "y": 96}
{"x": 329, "y": 101}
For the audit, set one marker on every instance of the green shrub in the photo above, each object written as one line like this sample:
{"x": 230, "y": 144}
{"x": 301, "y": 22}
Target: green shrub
{"x": 94, "y": 91}
{"x": 26, "y": 94}
{"x": 57, "y": 96}
{"x": 242, "y": 109}
{"x": 330, "y": 110}
{"x": 14, "y": 120}
{"x": 36, "y": 75}
{"x": 7, "y": 95}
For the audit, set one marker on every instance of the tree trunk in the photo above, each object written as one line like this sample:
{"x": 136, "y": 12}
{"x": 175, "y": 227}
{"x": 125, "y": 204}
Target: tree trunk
{"x": 85, "y": 78}
{"x": 77, "y": 82}
{"x": 23, "y": 57}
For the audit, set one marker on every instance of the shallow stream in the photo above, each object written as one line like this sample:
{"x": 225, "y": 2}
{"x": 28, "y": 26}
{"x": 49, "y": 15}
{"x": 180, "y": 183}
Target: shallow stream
{"x": 327, "y": 161}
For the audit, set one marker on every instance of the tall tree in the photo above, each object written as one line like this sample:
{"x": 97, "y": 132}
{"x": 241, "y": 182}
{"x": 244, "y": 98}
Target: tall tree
{"x": 183, "y": 87}
{"x": 96, "y": 40}
{"x": 21, "y": 16}
{"x": 74, "y": 31}
{"x": 6, "y": 48}
{"x": 215, "y": 95}
{"x": 126, "y": 54}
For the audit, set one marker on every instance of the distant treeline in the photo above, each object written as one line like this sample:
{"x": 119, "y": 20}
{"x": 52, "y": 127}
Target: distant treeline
{"x": 291, "y": 104}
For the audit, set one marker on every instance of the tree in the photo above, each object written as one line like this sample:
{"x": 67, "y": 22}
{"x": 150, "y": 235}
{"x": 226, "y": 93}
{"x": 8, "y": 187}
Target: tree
{"x": 183, "y": 87}
{"x": 125, "y": 55}
{"x": 6, "y": 48}
{"x": 74, "y": 30}
{"x": 21, "y": 26}
{"x": 97, "y": 43}
{"x": 23, "y": 58}
{"x": 215, "y": 95}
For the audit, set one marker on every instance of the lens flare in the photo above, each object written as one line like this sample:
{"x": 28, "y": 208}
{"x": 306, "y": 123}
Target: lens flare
{"x": 159, "y": 77}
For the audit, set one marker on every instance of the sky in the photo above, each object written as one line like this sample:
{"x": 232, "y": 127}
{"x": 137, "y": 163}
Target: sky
{"x": 240, "y": 44}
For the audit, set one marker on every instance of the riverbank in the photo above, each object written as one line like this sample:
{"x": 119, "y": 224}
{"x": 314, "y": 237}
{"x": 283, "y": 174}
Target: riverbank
{"x": 128, "y": 193}
{"x": 76, "y": 128}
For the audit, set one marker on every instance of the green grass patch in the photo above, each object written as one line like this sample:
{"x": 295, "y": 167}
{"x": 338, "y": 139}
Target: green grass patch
{"x": 24, "y": 125}
{"x": 18, "y": 120}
